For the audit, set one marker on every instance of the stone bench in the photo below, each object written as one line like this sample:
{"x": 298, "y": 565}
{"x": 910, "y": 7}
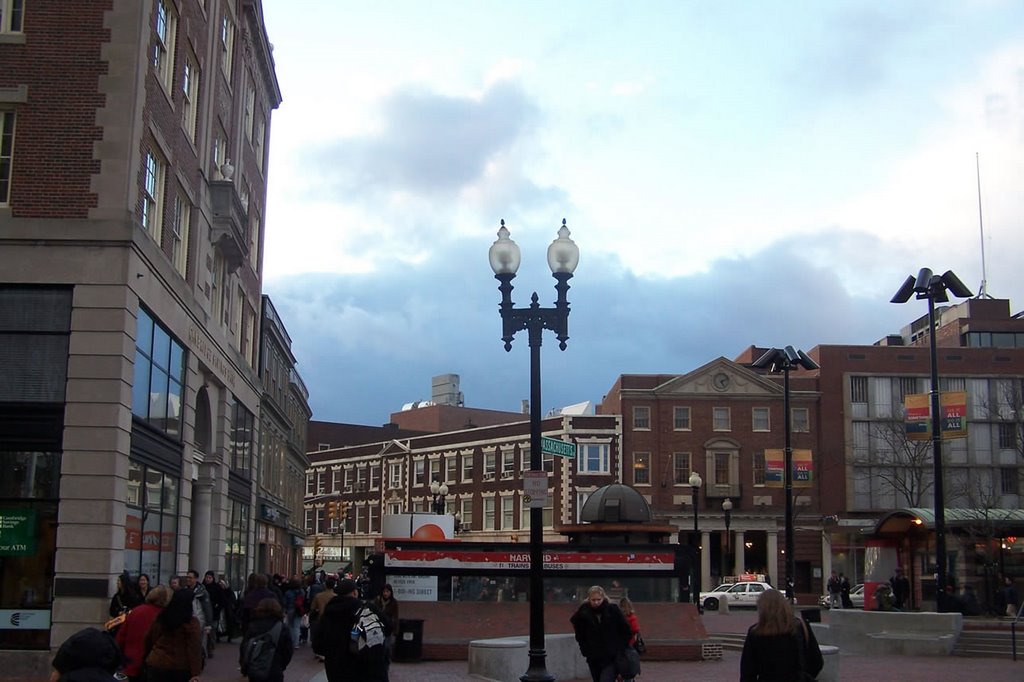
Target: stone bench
{"x": 830, "y": 671}
{"x": 891, "y": 633}
{"x": 505, "y": 659}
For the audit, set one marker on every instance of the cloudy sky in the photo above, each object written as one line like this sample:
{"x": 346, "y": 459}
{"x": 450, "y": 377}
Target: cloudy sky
{"x": 734, "y": 173}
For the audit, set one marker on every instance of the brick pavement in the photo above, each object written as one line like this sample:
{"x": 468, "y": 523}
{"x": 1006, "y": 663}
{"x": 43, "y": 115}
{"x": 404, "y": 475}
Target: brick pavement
{"x": 853, "y": 668}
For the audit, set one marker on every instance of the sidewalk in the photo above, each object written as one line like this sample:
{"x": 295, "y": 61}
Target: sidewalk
{"x": 853, "y": 668}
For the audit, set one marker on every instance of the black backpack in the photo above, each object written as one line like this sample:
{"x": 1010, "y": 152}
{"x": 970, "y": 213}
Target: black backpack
{"x": 258, "y": 654}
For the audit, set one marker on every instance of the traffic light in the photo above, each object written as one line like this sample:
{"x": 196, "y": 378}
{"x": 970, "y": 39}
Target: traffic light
{"x": 316, "y": 549}
{"x": 342, "y": 511}
{"x": 332, "y": 510}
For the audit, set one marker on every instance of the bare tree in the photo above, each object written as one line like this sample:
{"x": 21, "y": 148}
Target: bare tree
{"x": 901, "y": 465}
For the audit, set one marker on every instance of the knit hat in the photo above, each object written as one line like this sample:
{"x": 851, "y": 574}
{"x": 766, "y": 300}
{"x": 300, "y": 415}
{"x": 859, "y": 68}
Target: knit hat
{"x": 345, "y": 586}
{"x": 88, "y": 648}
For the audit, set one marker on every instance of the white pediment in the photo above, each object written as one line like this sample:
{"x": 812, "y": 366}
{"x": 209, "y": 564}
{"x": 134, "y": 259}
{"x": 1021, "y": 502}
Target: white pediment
{"x": 720, "y": 377}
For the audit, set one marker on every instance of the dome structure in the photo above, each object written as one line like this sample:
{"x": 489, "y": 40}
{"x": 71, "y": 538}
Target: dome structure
{"x": 616, "y": 503}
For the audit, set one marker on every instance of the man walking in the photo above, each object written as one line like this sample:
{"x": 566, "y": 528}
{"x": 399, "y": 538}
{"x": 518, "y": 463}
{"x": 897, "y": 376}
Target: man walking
{"x": 835, "y": 591}
{"x": 202, "y": 609}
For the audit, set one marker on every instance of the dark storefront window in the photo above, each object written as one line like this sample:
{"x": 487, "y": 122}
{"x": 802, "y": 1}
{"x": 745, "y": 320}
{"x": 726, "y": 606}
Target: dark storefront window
{"x": 235, "y": 546}
{"x": 159, "y": 375}
{"x": 151, "y": 523}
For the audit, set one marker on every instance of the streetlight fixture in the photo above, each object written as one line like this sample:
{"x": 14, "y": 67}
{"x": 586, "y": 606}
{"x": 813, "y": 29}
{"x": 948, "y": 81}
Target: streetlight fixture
{"x": 786, "y": 359}
{"x": 727, "y": 511}
{"x": 695, "y": 483}
{"x": 439, "y": 491}
{"x": 563, "y": 257}
{"x": 933, "y": 288}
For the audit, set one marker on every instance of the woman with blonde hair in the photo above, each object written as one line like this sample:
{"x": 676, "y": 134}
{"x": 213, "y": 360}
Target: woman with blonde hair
{"x": 602, "y": 633}
{"x": 779, "y": 647}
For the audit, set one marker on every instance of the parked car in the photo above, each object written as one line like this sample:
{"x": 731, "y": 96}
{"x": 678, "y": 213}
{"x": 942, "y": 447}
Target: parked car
{"x": 856, "y": 596}
{"x": 738, "y": 594}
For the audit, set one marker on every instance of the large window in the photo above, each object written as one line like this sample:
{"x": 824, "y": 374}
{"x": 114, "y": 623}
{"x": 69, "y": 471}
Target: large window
{"x": 242, "y": 422}
{"x": 593, "y": 458}
{"x": 720, "y": 419}
{"x": 681, "y": 468}
{"x": 159, "y": 375}
{"x": 681, "y": 418}
{"x": 508, "y": 517}
{"x": 722, "y": 468}
{"x": 467, "y": 467}
{"x": 180, "y": 229}
{"x": 166, "y": 35}
{"x": 758, "y": 467}
{"x": 801, "y": 421}
{"x": 641, "y": 418}
{"x": 642, "y": 468}
{"x": 466, "y": 512}
{"x": 153, "y": 196}
{"x": 1007, "y": 435}
{"x": 227, "y": 46}
{"x": 6, "y": 153}
{"x": 236, "y": 543}
{"x": 11, "y": 12}
{"x": 508, "y": 462}
{"x": 151, "y": 523}
{"x": 488, "y": 513}
{"x": 858, "y": 389}
{"x": 489, "y": 465}
{"x": 190, "y": 96}
{"x": 761, "y": 420}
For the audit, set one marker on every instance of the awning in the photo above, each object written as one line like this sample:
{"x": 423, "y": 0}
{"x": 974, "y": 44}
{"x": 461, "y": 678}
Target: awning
{"x": 903, "y": 520}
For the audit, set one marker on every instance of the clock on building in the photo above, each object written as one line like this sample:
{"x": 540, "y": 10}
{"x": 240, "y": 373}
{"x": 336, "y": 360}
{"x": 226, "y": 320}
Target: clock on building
{"x": 720, "y": 381}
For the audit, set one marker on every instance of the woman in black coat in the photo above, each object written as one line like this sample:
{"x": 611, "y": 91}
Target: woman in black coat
{"x": 267, "y": 614}
{"x": 779, "y": 648}
{"x": 602, "y": 632}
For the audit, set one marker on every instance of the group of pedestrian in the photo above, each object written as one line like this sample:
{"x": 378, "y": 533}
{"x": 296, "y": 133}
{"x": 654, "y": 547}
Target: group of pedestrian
{"x": 838, "y": 587}
{"x": 354, "y": 637}
{"x": 607, "y": 635}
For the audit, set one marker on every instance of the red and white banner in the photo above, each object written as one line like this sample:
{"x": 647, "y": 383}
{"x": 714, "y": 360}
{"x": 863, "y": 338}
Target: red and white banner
{"x": 506, "y": 560}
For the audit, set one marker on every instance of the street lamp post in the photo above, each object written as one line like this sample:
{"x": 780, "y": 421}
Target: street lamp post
{"x": 563, "y": 257}
{"x": 786, "y": 359}
{"x": 439, "y": 491}
{"x": 727, "y": 512}
{"x": 695, "y": 483}
{"x": 933, "y": 288}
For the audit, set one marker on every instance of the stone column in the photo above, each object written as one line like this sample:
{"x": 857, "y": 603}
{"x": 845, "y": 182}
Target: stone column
{"x": 740, "y": 559}
{"x": 201, "y": 522}
{"x": 778, "y": 579}
{"x": 705, "y": 560}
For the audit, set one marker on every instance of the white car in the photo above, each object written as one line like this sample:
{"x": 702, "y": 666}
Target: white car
{"x": 738, "y": 594}
{"x": 856, "y": 597}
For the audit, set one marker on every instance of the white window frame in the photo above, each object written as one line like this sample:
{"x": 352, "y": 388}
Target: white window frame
{"x": 154, "y": 172}
{"x": 641, "y": 418}
{"x": 508, "y": 513}
{"x": 800, "y": 419}
{"x": 762, "y": 415}
{"x": 490, "y": 465}
{"x": 603, "y": 456}
{"x": 466, "y": 513}
{"x": 716, "y": 412}
{"x": 180, "y": 228}
{"x": 489, "y": 518}
{"x": 227, "y": 46}
{"x": 467, "y": 467}
{"x": 419, "y": 470}
{"x": 395, "y": 475}
{"x": 677, "y": 470}
{"x": 434, "y": 471}
{"x": 643, "y": 458}
{"x": 678, "y": 418}
{"x": 451, "y": 468}
{"x": 12, "y": 16}
{"x": 508, "y": 463}
{"x": 190, "y": 81}
{"x": 7, "y": 129}
{"x": 166, "y": 37}
{"x": 248, "y": 117}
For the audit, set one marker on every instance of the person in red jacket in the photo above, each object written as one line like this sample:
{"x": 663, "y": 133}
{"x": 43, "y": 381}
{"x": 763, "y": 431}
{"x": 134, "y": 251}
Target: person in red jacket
{"x": 634, "y": 624}
{"x": 131, "y": 635}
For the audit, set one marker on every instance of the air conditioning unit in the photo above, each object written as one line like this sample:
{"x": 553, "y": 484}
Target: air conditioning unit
{"x": 488, "y": 477}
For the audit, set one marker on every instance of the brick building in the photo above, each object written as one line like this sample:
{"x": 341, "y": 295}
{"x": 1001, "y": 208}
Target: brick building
{"x": 133, "y": 150}
{"x": 719, "y": 420}
{"x": 483, "y": 469}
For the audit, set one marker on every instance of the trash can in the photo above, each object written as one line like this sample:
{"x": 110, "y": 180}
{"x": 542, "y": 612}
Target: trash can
{"x": 409, "y": 643}
{"x": 811, "y": 615}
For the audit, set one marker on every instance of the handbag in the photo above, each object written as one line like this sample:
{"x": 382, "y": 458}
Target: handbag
{"x": 627, "y": 662}
{"x": 639, "y": 644}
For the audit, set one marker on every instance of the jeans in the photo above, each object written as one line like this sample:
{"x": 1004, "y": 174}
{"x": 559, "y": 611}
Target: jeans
{"x": 294, "y": 621}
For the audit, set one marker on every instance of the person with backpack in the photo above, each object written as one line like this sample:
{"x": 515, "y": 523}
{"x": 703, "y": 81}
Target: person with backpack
{"x": 267, "y": 645}
{"x": 350, "y": 636}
